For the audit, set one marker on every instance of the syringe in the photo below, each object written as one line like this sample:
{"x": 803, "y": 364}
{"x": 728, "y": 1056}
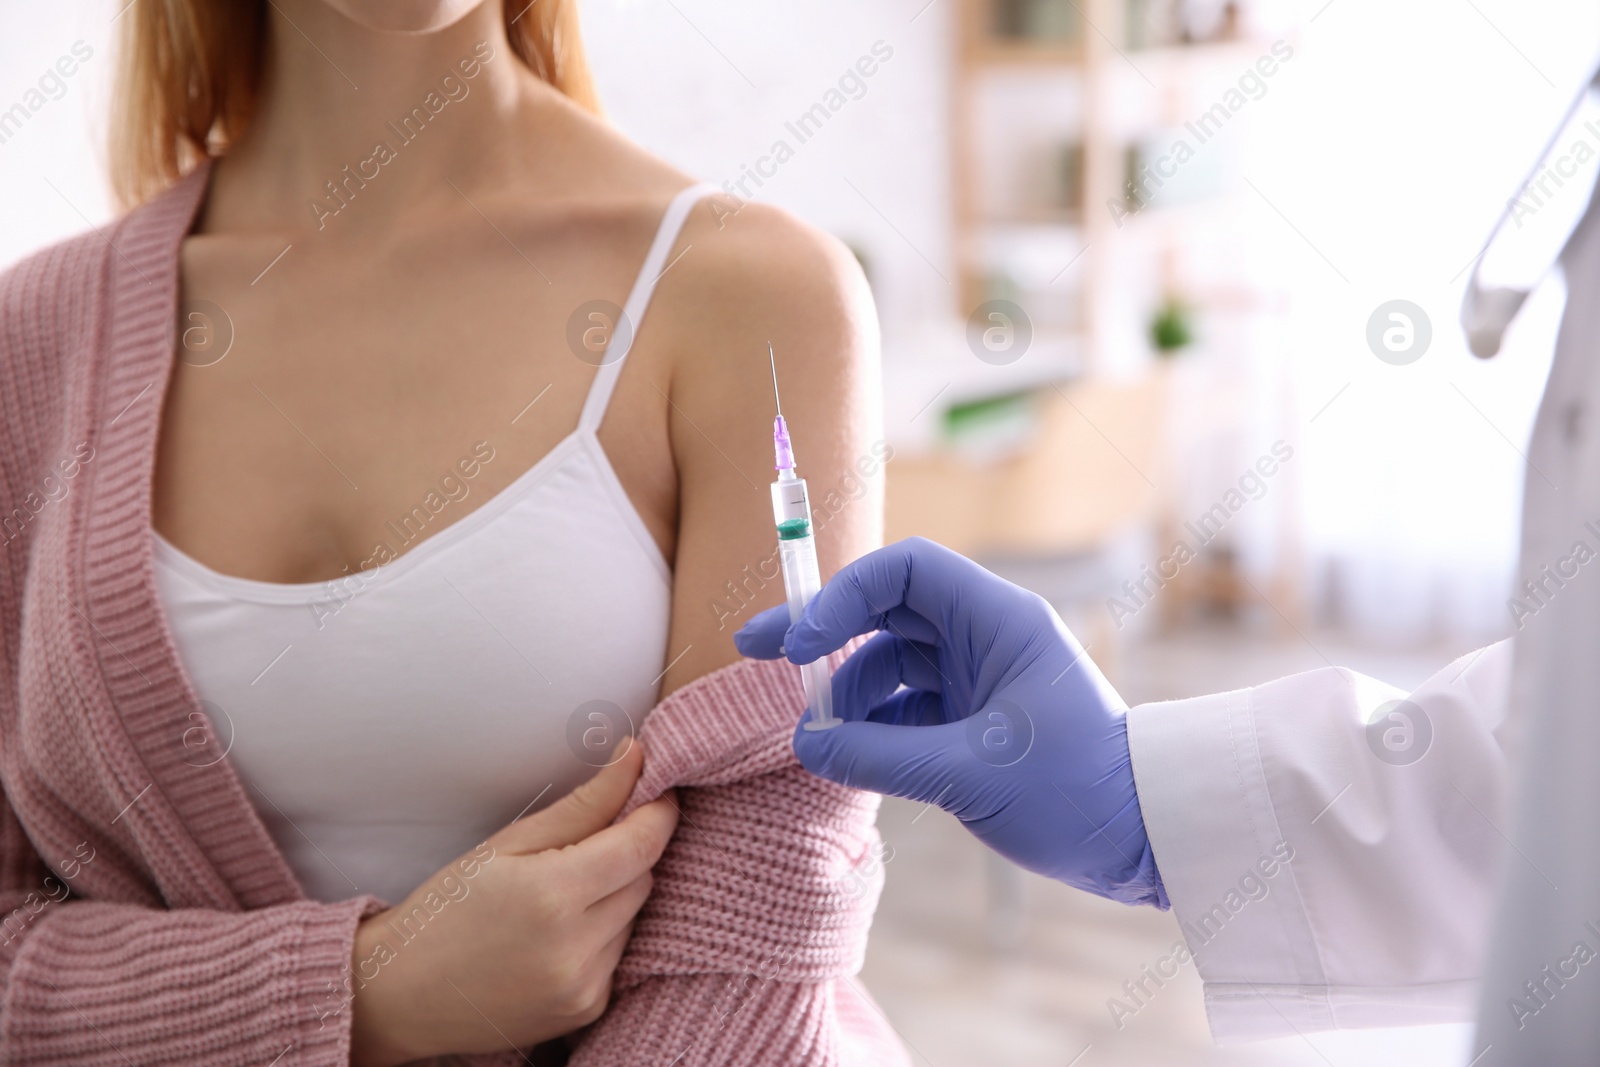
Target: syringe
{"x": 797, "y": 557}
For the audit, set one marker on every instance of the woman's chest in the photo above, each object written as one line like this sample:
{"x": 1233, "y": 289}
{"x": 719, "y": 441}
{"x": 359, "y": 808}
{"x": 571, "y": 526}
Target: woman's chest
{"x": 314, "y": 405}
{"x": 385, "y": 722}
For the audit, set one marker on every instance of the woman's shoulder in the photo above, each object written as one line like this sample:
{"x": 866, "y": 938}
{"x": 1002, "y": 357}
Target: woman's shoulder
{"x": 49, "y": 301}
{"x": 60, "y": 285}
{"x": 60, "y": 305}
{"x": 59, "y": 293}
{"x": 756, "y": 268}
{"x": 48, "y": 310}
{"x": 731, "y": 243}
{"x": 755, "y": 246}
{"x": 738, "y": 261}
{"x": 41, "y": 285}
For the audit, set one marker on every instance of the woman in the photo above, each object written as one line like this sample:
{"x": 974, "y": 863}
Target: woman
{"x": 406, "y": 506}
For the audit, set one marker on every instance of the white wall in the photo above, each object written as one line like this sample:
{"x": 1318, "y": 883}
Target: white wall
{"x": 1392, "y": 149}
{"x": 1390, "y": 145}
{"x": 58, "y": 144}
{"x": 674, "y": 76}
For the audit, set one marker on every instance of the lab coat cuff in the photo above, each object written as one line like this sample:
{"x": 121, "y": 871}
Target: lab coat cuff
{"x": 1241, "y": 1012}
{"x": 1224, "y": 863}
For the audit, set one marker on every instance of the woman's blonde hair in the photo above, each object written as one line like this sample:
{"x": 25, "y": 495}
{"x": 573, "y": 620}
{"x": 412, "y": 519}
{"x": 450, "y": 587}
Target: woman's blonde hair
{"x": 190, "y": 71}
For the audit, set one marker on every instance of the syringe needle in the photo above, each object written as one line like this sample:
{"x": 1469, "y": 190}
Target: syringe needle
{"x": 774, "y": 361}
{"x": 782, "y": 450}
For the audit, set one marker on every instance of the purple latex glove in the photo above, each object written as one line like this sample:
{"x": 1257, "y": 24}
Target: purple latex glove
{"x": 975, "y": 697}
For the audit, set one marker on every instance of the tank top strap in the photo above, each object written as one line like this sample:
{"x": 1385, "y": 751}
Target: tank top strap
{"x": 644, "y": 286}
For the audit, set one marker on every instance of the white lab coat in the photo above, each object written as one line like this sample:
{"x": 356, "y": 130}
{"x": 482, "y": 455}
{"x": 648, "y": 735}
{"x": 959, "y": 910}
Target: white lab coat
{"x": 1426, "y": 889}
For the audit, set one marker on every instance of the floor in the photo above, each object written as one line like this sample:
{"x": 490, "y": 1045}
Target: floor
{"x": 1030, "y": 985}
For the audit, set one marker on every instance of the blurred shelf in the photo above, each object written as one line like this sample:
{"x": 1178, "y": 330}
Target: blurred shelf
{"x": 1021, "y": 223}
{"x": 1064, "y": 219}
{"x": 1185, "y": 217}
{"x": 1020, "y": 52}
{"x": 1034, "y": 258}
{"x": 1183, "y": 57}
{"x": 1172, "y": 74}
{"x": 1164, "y": 60}
{"x": 925, "y": 375}
{"x": 995, "y": 244}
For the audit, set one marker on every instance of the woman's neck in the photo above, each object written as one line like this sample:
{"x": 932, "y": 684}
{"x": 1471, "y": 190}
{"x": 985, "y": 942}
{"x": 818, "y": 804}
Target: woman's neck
{"x": 354, "y": 125}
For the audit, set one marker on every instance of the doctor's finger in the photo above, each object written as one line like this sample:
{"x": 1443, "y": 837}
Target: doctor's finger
{"x": 910, "y": 707}
{"x": 915, "y": 762}
{"x": 911, "y": 587}
{"x": 762, "y": 637}
{"x": 802, "y": 644}
{"x": 875, "y": 670}
{"x": 903, "y": 622}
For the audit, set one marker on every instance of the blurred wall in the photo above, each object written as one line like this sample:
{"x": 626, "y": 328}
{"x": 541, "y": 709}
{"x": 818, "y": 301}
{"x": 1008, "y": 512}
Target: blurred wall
{"x": 51, "y": 181}
{"x": 1391, "y": 153}
{"x": 711, "y": 85}
{"x": 1377, "y": 165}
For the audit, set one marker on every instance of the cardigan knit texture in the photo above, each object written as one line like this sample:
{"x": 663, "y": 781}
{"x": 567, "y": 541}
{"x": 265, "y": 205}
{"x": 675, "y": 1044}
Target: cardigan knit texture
{"x": 147, "y": 917}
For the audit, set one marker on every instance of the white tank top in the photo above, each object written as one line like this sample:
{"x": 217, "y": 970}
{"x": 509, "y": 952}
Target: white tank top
{"x": 388, "y": 721}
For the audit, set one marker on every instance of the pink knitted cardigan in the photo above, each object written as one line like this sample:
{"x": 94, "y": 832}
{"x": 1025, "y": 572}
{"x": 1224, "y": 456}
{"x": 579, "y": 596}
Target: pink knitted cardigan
{"x": 146, "y": 917}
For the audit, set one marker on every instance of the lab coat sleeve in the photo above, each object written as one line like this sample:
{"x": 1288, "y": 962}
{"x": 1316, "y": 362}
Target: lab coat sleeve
{"x": 1329, "y": 843}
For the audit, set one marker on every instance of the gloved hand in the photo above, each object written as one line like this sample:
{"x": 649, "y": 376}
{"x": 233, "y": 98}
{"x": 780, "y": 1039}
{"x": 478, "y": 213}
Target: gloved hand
{"x": 1004, "y": 722}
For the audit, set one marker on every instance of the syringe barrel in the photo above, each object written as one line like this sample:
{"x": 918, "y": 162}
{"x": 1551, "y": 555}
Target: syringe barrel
{"x": 802, "y": 580}
{"x": 790, "y": 502}
{"x": 797, "y": 549}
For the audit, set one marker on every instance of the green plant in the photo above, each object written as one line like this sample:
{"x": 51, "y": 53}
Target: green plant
{"x": 1172, "y": 328}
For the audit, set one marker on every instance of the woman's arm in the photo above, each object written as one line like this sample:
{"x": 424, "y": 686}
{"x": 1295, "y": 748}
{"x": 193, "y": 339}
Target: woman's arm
{"x": 747, "y": 278}
{"x": 760, "y": 910}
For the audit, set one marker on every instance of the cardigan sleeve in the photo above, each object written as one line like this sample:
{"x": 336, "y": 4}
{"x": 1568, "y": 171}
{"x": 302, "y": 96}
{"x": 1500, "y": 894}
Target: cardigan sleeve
{"x": 98, "y": 984}
{"x": 746, "y": 950}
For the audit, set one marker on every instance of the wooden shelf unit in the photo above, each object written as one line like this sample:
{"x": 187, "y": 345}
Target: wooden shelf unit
{"x": 980, "y": 53}
{"x": 1101, "y": 70}
{"x": 1101, "y": 66}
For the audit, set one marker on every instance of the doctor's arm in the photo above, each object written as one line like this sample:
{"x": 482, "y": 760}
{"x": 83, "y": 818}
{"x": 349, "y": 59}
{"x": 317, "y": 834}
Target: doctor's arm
{"x": 1329, "y": 842}
{"x": 1325, "y": 872}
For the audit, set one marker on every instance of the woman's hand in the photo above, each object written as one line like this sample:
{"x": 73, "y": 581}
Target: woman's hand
{"x": 514, "y": 943}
